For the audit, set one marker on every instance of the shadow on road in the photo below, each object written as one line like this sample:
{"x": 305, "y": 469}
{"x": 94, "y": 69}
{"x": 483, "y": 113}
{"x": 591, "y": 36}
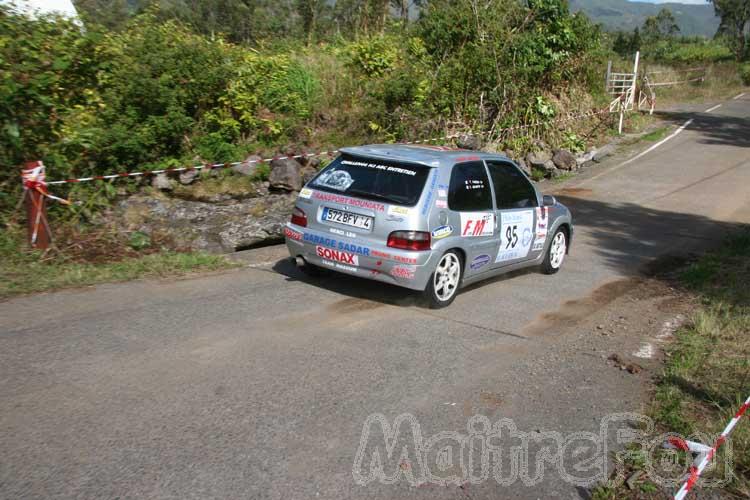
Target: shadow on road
{"x": 634, "y": 240}
{"x": 715, "y": 129}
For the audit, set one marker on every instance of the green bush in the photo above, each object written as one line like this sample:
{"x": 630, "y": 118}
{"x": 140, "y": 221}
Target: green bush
{"x": 745, "y": 73}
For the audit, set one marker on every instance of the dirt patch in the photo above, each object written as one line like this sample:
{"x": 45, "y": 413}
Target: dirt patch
{"x": 573, "y": 311}
{"x": 575, "y": 192}
{"x": 353, "y": 305}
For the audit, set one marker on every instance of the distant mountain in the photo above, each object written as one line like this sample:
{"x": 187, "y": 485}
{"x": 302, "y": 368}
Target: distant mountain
{"x": 624, "y": 15}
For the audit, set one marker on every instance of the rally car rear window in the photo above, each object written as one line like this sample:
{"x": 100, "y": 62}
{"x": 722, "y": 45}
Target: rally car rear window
{"x": 372, "y": 179}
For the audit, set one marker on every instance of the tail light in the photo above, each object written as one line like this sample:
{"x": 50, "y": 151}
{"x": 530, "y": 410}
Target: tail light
{"x": 298, "y": 217}
{"x": 409, "y": 240}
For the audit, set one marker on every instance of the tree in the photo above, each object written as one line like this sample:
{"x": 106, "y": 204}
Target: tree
{"x": 735, "y": 18}
{"x": 310, "y": 12}
{"x": 621, "y": 45}
{"x": 112, "y": 14}
{"x": 661, "y": 26}
{"x": 635, "y": 41}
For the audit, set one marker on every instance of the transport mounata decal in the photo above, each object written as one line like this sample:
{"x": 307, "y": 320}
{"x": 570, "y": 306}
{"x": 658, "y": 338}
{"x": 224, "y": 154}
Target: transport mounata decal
{"x": 339, "y": 198}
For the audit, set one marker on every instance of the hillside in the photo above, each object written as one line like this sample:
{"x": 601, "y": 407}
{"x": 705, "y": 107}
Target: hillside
{"x": 625, "y": 15}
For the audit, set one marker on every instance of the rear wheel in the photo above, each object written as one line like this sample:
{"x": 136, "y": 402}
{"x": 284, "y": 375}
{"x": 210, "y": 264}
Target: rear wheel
{"x": 556, "y": 252}
{"x": 443, "y": 285}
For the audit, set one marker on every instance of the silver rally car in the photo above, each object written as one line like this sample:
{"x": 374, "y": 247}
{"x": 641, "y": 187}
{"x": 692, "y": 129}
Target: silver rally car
{"x": 426, "y": 218}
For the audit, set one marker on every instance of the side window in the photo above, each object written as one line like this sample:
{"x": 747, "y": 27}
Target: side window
{"x": 470, "y": 188}
{"x": 512, "y": 188}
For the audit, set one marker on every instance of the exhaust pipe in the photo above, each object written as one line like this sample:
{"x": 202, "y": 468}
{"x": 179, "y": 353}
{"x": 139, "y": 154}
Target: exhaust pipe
{"x": 300, "y": 261}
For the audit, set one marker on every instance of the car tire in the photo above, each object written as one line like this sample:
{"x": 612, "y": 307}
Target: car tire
{"x": 556, "y": 252}
{"x": 444, "y": 283}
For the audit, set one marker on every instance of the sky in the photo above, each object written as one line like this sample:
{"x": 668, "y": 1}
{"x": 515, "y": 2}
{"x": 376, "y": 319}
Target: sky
{"x": 46, "y": 6}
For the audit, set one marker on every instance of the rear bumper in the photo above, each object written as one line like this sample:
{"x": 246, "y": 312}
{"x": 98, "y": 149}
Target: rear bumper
{"x": 398, "y": 267}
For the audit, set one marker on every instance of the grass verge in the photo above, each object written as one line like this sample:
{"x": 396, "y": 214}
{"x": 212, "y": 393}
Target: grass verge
{"x": 23, "y": 271}
{"x": 706, "y": 375}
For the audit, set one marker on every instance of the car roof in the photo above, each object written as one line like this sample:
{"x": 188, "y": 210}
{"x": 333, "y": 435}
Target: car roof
{"x": 433, "y": 156}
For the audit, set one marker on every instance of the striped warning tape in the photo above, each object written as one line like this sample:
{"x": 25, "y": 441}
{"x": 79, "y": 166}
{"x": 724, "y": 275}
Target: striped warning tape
{"x": 705, "y": 453}
{"x": 212, "y": 166}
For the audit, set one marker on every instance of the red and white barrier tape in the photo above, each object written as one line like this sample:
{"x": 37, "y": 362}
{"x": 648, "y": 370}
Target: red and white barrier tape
{"x": 34, "y": 179}
{"x": 705, "y": 453}
{"x": 211, "y": 166}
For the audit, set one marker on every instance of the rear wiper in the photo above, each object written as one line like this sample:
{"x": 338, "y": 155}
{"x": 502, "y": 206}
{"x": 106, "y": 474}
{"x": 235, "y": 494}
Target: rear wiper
{"x": 373, "y": 196}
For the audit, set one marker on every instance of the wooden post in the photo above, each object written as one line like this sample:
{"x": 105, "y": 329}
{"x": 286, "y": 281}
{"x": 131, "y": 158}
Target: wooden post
{"x": 36, "y": 210}
{"x": 609, "y": 74}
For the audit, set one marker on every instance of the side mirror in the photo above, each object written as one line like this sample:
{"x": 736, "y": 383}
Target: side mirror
{"x": 548, "y": 200}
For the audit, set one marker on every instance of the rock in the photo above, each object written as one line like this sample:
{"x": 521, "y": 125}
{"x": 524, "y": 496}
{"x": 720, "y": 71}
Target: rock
{"x": 564, "y": 160}
{"x": 540, "y": 145}
{"x": 249, "y": 166}
{"x": 307, "y": 174}
{"x": 524, "y": 166}
{"x": 537, "y": 159}
{"x": 188, "y": 176}
{"x": 207, "y": 226}
{"x": 584, "y": 158}
{"x": 603, "y": 152}
{"x": 162, "y": 182}
{"x": 285, "y": 175}
{"x": 469, "y": 141}
{"x": 314, "y": 162}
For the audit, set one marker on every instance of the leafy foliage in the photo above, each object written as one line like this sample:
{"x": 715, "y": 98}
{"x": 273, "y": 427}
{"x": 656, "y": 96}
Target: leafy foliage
{"x": 165, "y": 87}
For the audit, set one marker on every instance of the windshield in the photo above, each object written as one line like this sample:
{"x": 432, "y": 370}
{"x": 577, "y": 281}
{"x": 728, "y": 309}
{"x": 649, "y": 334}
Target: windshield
{"x": 382, "y": 180}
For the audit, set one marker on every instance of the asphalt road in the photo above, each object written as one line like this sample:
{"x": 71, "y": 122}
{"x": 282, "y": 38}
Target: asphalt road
{"x": 256, "y": 383}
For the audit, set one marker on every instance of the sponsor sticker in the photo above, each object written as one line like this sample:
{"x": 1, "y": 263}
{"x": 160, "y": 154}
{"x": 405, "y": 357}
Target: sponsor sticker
{"x": 336, "y": 265}
{"x": 477, "y": 224}
{"x": 542, "y": 220}
{"x": 337, "y": 256}
{"x": 341, "y": 232}
{"x": 405, "y": 260}
{"x": 396, "y": 210}
{"x": 346, "y": 200}
{"x": 441, "y": 232}
{"x": 378, "y": 166}
{"x": 515, "y": 235}
{"x": 306, "y": 193}
{"x": 405, "y": 272}
{"x": 292, "y": 234}
{"x": 430, "y": 194}
{"x": 441, "y": 203}
{"x": 342, "y": 246}
{"x": 442, "y": 193}
{"x": 479, "y": 262}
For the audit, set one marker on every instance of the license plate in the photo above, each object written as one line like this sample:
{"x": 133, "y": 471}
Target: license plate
{"x": 347, "y": 218}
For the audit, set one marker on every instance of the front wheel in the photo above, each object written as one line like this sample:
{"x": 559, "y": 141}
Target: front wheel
{"x": 556, "y": 252}
{"x": 444, "y": 282}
